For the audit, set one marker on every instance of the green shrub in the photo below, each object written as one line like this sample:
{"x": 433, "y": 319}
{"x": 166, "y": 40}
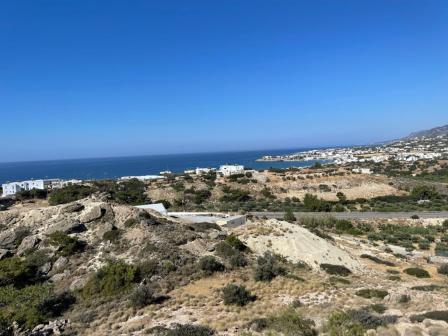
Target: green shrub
{"x": 340, "y": 323}
{"x": 335, "y": 279}
{"x": 130, "y": 192}
{"x": 377, "y": 308}
{"x": 182, "y": 330}
{"x": 142, "y": 296}
{"x": 370, "y": 293}
{"x": 368, "y": 320}
{"x": 224, "y": 250}
{"x": 336, "y": 269}
{"x": 130, "y": 222}
{"x": 377, "y": 260}
{"x": 113, "y": 235}
{"x": 441, "y": 315}
{"x": 69, "y": 194}
{"x": 31, "y": 305}
{"x": 236, "y": 243}
{"x": 287, "y": 322}
{"x": 236, "y": 295}
{"x": 113, "y": 279}
{"x": 65, "y": 244}
{"x": 404, "y": 298}
{"x": 148, "y": 268}
{"x": 427, "y": 288}
{"x": 268, "y": 267}
{"x": 210, "y": 265}
{"x": 289, "y": 216}
{"x": 238, "y": 260}
{"x": 443, "y": 269}
{"x": 17, "y": 272}
{"x": 417, "y": 272}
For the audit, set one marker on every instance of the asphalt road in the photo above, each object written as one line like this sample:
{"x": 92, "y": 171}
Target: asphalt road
{"x": 358, "y": 215}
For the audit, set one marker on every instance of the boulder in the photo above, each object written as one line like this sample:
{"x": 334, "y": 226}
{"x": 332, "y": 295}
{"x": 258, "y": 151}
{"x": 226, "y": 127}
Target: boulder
{"x": 60, "y": 263}
{"x": 27, "y": 244}
{"x": 7, "y": 240}
{"x": 60, "y": 276}
{"x": 66, "y": 226}
{"x": 4, "y": 253}
{"x": 78, "y": 283}
{"x": 93, "y": 214}
{"x": 45, "y": 268}
{"x": 72, "y": 207}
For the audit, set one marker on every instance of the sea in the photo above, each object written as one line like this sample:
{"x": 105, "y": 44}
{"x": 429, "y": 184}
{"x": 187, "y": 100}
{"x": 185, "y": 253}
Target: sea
{"x": 115, "y": 167}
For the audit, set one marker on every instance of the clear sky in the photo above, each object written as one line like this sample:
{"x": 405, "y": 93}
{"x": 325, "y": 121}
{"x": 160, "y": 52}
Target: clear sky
{"x": 87, "y": 78}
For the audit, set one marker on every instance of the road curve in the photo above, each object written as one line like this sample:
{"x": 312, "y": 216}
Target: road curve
{"x": 357, "y": 215}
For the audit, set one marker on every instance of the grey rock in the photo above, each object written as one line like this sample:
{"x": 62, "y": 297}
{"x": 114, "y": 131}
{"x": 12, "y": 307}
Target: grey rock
{"x": 45, "y": 268}
{"x": 72, "y": 207}
{"x": 7, "y": 239}
{"x": 60, "y": 263}
{"x": 66, "y": 226}
{"x": 78, "y": 283}
{"x": 60, "y": 276}
{"x": 27, "y": 244}
{"x": 93, "y": 214}
{"x": 214, "y": 234}
{"x": 4, "y": 253}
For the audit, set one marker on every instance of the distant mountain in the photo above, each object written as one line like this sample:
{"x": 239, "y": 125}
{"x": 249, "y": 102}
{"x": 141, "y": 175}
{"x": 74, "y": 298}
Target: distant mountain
{"x": 431, "y": 133}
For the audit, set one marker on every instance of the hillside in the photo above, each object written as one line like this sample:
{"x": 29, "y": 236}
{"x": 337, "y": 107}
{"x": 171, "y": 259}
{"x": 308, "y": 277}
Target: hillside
{"x": 95, "y": 267}
{"x": 431, "y": 133}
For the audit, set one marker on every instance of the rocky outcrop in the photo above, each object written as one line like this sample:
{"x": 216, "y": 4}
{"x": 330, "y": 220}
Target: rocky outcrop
{"x": 7, "y": 240}
{"x": 72, "y": 207}
{"x": 4, "y": 253}
{"x": 27, "y": 244}
{"x": 51, "y": 328}
{"x": 66, "y": 225}
{"x": 95, "y": 213}
{"x": 60, "y": 264}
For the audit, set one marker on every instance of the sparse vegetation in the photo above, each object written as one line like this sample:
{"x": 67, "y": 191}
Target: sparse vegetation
{"x": 339, "y": 270}
{"x": 268, "y": 267}
{"x": 115, "y": 278}
{"x": 417, "y": 272}
{"x": 236, "y": 295}
{"x": 370, "y": 293}
{"x": 210, "y": 265}
{"x": 65, "y": 244}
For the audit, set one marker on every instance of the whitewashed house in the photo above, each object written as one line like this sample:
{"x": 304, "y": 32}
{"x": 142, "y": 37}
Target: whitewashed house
{"x": 227, "y": 170}
{"x": 13, "y": 188}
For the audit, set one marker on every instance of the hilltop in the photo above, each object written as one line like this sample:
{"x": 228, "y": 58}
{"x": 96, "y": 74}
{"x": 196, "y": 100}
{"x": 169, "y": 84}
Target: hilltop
{"x": 431, "y": 133}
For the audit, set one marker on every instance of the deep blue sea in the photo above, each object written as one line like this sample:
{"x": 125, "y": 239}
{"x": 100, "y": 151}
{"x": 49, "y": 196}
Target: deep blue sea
{"x": 107, "y": 168}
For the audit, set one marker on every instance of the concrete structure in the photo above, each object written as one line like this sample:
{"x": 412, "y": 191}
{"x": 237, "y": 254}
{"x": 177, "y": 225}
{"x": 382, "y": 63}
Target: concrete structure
{"x": 159, "y": 207}
{"x": 362, "y": 170}
{"x": 142, "y": 177}
{"x": 201, "y": 171}
{"x": 13, "y": 188}
{"x": 227, "y": 170}
{"x": 209, "y": 217}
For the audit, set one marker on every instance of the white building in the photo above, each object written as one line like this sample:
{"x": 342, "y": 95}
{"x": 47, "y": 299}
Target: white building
{"x": 143, "y": 177}
{"x": 201, "y": 171}
{"x": 13, "y": 188}
{"x": 227, "y": 170}
{"x": 362, "y": 170}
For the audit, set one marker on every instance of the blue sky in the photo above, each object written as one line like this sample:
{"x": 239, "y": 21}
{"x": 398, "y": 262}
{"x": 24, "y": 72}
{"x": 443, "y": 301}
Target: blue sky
{"x": 83, "y": 78}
